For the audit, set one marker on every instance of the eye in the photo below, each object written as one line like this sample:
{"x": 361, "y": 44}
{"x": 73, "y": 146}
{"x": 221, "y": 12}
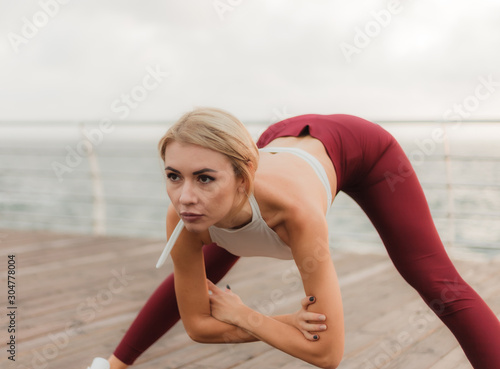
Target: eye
{"x": 173, "y": 177}
{"x": 205, "y": 179}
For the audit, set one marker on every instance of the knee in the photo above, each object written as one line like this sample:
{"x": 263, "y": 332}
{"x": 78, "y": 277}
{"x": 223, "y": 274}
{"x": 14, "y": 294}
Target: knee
{"x": 447, "y": 296}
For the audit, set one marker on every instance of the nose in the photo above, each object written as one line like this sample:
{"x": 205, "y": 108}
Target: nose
{"x": 188, "y": 195}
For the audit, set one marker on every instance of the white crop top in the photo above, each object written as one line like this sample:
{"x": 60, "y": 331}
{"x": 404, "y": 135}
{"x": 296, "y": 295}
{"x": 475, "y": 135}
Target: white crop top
{"x": 255, "y": 238}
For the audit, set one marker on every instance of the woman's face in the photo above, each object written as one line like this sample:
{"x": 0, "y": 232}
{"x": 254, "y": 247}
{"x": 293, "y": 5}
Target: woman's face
{"x": 201, "y": 184}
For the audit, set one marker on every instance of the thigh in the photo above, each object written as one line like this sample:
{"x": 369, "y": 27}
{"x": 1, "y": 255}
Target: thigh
{"x": 392, "y": 197}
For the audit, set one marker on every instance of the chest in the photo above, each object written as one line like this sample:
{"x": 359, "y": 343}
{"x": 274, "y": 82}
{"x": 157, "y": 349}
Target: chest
{"x": 254, "y": 239}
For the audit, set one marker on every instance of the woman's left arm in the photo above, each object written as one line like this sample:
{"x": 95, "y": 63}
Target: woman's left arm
{"x": 308, "y": 231}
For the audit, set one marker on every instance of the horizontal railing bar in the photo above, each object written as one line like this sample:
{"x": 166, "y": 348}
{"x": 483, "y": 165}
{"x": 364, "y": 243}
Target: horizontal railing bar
{"x": 425, "y": 185}
{"x": 148, "y": 228}
{"x": 48, "y": 172}
{"x": 24, "y": 213}
{"x": 56, "y": 152}
{"x": 139, "y": 204}
{"x": 437, "y": 214}
{"x": 347, "y": 206}
{"x": 141, "y": 153}
{"x": 141, "y": 201}
{"x": 341, "y": 236}
{"x": 78, "y": 174}
{"x": 118, "y": 176}
{"x": 458, "y": 185}
{"x": 460, "y": 158}
{"x": 86, "y": 198}
{"x": 83, "y": 217}
{"x": 36, "y": 151}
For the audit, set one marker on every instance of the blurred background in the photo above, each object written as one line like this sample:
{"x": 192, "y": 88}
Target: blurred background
{"x": 88, "y": 88}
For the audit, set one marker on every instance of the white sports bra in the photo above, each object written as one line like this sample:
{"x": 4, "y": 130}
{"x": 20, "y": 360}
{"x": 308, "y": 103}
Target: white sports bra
{"x": 255, "y": 238}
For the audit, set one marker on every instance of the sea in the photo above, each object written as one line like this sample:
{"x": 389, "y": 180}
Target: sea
{"x": 106, "y": 178}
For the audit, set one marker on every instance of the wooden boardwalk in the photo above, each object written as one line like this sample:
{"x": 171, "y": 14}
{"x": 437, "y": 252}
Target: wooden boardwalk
{"x": 76, "y": 296}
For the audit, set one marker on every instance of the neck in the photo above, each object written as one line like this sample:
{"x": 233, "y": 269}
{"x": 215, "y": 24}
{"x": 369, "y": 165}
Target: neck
{"x": 238, "y": 217}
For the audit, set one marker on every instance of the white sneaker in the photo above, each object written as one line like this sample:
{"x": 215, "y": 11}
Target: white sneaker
{"x": 99, "y": 363}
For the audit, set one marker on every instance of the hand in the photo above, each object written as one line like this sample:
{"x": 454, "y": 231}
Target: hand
{"x": 224, "y": 304}
{"x": 309, "y": 323}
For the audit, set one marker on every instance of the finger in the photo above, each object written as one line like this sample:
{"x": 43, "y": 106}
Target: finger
{"x": 311, "y": 327}
{"x": 310, "y": 336}
{"x": 313, "y": 317}
{"x": 212, "y": 287}
{"x": 308, "y": 300}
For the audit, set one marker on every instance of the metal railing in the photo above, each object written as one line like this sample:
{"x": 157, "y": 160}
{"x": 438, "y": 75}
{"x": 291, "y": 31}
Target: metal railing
{"x": 118, "y": 189}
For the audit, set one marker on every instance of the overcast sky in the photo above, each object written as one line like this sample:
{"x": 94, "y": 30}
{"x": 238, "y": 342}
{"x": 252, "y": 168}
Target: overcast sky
{"x": 261, "y": 60}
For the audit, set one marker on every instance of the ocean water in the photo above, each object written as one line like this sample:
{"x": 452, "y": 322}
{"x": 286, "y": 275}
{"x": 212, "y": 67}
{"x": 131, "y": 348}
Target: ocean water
{"x": 86, "y": 178}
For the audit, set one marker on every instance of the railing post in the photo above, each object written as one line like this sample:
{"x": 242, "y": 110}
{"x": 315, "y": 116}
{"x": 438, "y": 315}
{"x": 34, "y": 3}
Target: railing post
{"x": 98, "y": 201}
{"x": 450, "y": 214}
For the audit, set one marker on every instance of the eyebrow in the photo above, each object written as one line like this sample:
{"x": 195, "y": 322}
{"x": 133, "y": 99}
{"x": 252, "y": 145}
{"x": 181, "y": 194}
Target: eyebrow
{"x": 194, "y": 173}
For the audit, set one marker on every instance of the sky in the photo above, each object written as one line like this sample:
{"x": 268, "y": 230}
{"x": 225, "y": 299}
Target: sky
{"x": 123, "y": 60}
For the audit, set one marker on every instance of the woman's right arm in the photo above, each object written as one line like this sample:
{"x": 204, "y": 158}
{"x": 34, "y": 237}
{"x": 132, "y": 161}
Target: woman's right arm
{"x": 192, "y": 292}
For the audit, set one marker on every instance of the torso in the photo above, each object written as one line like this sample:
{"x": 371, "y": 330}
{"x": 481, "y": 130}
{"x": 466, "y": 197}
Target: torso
{"x": 283, "y": 181}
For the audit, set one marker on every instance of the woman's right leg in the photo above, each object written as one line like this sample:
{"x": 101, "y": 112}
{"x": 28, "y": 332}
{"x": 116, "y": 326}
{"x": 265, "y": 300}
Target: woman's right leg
{"x": 160, "y": 312}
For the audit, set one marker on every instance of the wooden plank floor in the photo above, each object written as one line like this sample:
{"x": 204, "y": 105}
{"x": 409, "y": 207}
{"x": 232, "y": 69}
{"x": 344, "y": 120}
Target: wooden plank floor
{"x": 77, "y": 295}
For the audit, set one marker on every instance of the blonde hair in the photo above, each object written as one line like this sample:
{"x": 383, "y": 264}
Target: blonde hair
{"x": 217, "y": 130}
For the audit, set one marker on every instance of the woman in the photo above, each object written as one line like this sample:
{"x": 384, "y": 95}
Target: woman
{"x": 238, "y": 201}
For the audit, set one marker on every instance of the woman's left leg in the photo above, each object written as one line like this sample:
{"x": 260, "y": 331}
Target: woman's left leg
{"x": 393, "y": 199}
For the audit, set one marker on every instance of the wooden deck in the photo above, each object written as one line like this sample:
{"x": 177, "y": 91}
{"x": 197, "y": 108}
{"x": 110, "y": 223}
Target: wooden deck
{"x": 76, "y": 296}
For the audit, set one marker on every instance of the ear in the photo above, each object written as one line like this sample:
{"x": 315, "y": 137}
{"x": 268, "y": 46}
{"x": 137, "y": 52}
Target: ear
{"x": 251, "y": 167}
{"x": 242, "y": 187}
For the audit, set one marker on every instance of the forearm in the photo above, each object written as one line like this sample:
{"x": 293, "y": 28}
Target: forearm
{"x": 211, "y": 330}
{"x": 279, "y": 333}
{"x": 286, "y": 318}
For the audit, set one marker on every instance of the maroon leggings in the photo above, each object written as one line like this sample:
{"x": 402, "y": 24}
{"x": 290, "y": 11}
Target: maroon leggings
{"x": 371, "y": 168}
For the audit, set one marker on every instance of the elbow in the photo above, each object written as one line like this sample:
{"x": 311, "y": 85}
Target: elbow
{"x": 329, "y": 362}
{"x": 330, "y": 359}
{"x": 331, "y": 365}
{"x": 196, "y": 335}
{"x": 195, "y": 331}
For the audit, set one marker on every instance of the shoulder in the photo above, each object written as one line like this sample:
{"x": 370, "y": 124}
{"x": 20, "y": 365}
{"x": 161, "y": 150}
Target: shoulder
{"x": 285, "y": 183}
{"x": 287, "y": 202}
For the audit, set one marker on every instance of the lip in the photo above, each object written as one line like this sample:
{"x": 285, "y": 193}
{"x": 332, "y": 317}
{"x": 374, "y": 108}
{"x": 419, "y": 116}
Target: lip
{"x": 190, "y": 217}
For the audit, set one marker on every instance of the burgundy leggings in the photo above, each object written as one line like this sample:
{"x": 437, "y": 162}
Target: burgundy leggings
{"x": 373, "y": 169}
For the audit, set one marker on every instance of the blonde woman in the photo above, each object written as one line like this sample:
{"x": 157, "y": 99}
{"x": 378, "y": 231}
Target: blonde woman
{"x": 230, "y": 199}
